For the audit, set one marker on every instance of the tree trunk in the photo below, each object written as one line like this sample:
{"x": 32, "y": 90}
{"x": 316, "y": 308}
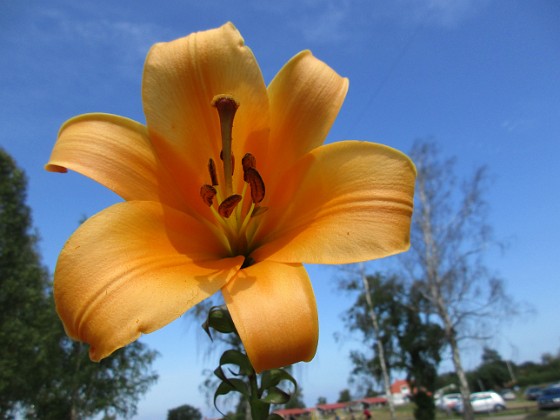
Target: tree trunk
{"x": 468, "y": 413}
{"x": 434, "y": 285}
{"x": 373, "y": 316}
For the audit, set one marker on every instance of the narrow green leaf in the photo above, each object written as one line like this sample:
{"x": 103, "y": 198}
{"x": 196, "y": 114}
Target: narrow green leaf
{"x": 271, "y": 378}
{"x": 223, "y": 389}
{"x": 220, "y": 320}
{"x": 239, "y": 359}
{"x": 276, "y": 396}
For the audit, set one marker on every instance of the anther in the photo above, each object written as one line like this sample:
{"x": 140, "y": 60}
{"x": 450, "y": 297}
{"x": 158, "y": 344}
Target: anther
{"x": 212, "y": 171}
{"x": 207, "y": 192}
{"x": 248, "y": 161}
{"x": 253, "y": 178}
{"x": 228, "y": 205}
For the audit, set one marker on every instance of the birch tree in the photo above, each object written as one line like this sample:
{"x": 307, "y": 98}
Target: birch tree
{"x": 450, "y": 237}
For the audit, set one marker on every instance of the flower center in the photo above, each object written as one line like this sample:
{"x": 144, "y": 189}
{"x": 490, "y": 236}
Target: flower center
{"x": 235, "y": 212}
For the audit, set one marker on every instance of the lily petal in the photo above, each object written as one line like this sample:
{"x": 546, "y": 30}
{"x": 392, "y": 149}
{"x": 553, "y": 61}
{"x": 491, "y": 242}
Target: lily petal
{"x": 274, "y": 310}
{"x": 181, "y": 78}
{"x": 344, "y": 202}
{"x": 133, "y": 268}
{"x": 305, "y": 98}
{"x": 116, "y": 152}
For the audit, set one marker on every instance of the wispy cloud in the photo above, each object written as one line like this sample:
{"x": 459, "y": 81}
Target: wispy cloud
{"x": 325, "y": 21}
{"x": 316, "y": 21}
{"x": 70, "y": 36}
{"x": 516, "y": 124}
{"x": 442, "y": 13}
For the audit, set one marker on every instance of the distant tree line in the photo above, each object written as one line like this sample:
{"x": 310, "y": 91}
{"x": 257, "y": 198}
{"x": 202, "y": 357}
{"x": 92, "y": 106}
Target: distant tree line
{"x": 495, "y": 373}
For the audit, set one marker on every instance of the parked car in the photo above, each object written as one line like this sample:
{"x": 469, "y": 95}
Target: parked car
{"x": 533, "y": 392}
{"x": 549, "y": 398}
{"x": 507, "y": 394}
{"x": 447, "y": 402}
{"x": 484, "y": 402}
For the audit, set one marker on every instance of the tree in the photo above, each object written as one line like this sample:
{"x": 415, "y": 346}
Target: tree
{"x": 449, "y": 238}
{"x": 344, "y": 396}
{"x": 184, "y": 412}
{"x": 23, "y": 292}
{"x": 376, "y": 297}
{"x": 321, "y": 401}
{"x": 411, "y": 342}
{"x": 421, "y": 344}
{"x": 74, "y": 387}
{"x": 43, "y": 373}
{"x": 493, "y": 372}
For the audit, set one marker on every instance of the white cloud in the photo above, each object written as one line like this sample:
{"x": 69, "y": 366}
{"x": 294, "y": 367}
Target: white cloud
{"x": 326, "y": 24}
{"x": 516, "y": 124}
{"x": 443, "y": 13}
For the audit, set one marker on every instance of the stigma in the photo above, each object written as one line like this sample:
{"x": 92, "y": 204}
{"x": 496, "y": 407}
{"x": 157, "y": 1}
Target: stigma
{"x": 234, "y": 211}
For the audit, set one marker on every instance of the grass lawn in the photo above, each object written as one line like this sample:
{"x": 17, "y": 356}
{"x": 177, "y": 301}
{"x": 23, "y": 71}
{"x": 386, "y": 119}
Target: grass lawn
{"x": 518, "y": 409}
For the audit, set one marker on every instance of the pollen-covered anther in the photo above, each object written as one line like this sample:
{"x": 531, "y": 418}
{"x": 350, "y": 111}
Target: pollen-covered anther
{"x": 247, "y": 162}
{"x": 253, "y": 178}
{"x": 208, "y": 192}
{"x": 212, "y": 171}
{"x": 228, "y": 205}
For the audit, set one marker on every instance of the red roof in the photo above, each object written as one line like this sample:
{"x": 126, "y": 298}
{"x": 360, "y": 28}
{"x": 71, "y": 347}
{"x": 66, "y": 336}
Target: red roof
{"x": 374, "y": 400}
{"x": 397, "y": 386}
{"x": 293, "y": 411}
{"x": 329, "y": 407}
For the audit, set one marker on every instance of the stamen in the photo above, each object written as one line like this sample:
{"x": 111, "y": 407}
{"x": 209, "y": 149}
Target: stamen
{"x": 208, "y": 192}
{"x": 258, "y": 211}
{"x": 253, "y": 178}
{"x": 226, "y": 106}
{"x": 212, "y": 171}
{"x": 228, "y": 205}
{"x": 249, "y": 161}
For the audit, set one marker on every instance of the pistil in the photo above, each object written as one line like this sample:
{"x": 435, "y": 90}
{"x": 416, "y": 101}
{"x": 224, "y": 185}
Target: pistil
{"x": 226, "y": 106}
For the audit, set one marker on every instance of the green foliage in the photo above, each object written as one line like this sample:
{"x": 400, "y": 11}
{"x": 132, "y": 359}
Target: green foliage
{"x": 425, "y": 408}
{"x": 411, "y": 342}
{"x": 492, "y": 373}
{"x": 386, "y": 296}
{"x": 184, "y": 412}
{"x": 75, "y": 387}
{"x": 43, "y": 373}
{"x": 344, "y": 396}
{"x": 23, "y": 292}
{"x": 548, "y": 371}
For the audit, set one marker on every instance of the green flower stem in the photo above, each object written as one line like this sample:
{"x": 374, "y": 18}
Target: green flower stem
{"x": 238, "y": 375}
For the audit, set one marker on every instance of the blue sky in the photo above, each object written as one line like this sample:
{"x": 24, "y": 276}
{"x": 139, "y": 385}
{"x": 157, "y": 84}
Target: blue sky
{"x": 481, "y": 78}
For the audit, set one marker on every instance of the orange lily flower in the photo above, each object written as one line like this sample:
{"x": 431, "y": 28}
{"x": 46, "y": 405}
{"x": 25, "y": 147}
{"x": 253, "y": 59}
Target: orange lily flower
{"x": 227, "y": 187}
